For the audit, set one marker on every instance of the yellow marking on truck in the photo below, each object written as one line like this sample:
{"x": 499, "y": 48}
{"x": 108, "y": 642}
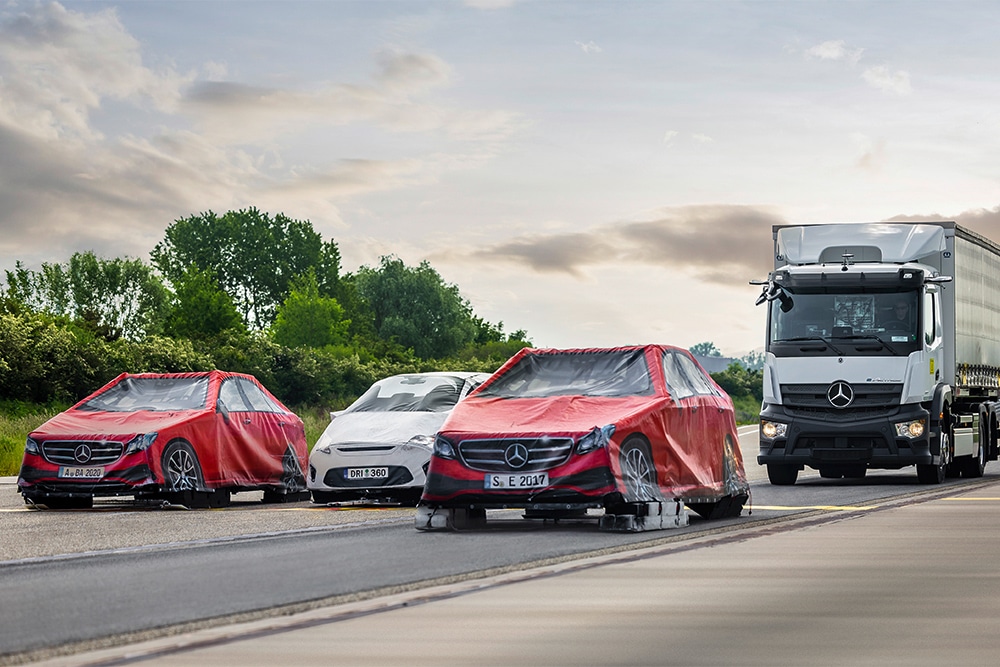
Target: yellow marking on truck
{"x": 829, "y": 508}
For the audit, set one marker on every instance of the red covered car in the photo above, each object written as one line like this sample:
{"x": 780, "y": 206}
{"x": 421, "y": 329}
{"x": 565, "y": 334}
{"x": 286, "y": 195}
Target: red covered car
{"x": 189, "y": 438}
{"x": 560, "y": 431}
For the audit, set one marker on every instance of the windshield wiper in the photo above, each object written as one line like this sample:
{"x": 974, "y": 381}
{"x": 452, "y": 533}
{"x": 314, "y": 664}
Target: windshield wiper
{"x": 885, "y": 344}
{"x": 801, "y": 339}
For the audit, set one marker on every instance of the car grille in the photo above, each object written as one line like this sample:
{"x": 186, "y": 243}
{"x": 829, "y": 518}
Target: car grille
{"x": 64, "y": 452}
{"x": 493, "y": 455}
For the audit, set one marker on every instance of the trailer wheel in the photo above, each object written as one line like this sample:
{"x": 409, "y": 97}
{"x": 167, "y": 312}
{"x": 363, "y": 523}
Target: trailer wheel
{"x": 782, "y": 474}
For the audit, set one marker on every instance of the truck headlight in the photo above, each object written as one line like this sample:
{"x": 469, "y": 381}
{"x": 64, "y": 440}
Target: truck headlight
{"x": 772, "y": 430}
{"x": 911, "y": 429}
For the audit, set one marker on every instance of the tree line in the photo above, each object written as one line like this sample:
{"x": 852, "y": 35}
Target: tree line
{"x": 244, "y": 291}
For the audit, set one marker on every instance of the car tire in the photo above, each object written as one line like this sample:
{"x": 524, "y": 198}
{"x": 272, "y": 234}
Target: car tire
{"x": 638, "y": 472}
{"x": 181, "y": 470}
{"x": 293, "y": 483}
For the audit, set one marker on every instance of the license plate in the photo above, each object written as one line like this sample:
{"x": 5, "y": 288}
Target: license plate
{"x": 528, "y": 480}
{"x": 71, "y": 472}
{"x": 366, "y": 473}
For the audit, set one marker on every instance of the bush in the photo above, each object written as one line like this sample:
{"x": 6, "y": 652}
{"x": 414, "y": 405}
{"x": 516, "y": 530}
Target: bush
{"x": 17, "y": 420}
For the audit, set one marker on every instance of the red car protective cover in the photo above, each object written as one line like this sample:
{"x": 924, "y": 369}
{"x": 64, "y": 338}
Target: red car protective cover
{"x": 692, "y": 438}
{"x": 250, "y": 441}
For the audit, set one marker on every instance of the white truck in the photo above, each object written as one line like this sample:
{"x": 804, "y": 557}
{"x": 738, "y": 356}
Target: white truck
{"x": 883, "y": 351}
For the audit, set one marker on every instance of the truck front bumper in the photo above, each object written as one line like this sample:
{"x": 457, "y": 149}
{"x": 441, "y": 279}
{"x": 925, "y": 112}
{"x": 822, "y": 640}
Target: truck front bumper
{"x": 834, "y": 438}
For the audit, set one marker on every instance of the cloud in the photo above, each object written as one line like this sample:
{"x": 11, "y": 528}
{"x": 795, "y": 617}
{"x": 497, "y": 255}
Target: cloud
{"x": 73, "y": 180}
{"x": 490, "y": 4}
{"x": 985, "y": 221}
{"x": 235, "y": 113}
{"x": 405, "y": 72}
{"x": 880, "y": 77}
{"x": 835, "y": 50}
{"x": 872, "y": 156}
{"x": 589, "y": 47}
{"x": 719, "y": 244}
{"x": 669, "y": 136}
{"x": 56, "y": 67}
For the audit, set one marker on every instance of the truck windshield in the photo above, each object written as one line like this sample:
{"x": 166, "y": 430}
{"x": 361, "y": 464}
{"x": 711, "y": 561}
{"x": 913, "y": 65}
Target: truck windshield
{"x": 889, "y": 319}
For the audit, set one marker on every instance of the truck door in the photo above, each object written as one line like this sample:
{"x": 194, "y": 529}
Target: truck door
{"x": 933, "y": 340}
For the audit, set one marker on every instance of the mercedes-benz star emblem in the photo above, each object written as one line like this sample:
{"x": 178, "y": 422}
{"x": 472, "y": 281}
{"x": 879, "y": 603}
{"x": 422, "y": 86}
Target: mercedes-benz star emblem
{"x": 840, "y": 394}
{"x": 516, "y": 455}
{"x": 82, "y": 453}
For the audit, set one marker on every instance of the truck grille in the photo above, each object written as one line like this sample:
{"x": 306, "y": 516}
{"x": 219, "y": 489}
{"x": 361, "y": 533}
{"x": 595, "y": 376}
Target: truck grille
{"x": 866, "y": 396}
{"x": 82, "y": 452}
{"x": 493, "y": 455}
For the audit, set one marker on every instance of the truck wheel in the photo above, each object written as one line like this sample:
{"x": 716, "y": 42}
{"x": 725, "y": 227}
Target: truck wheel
{"x": 935, "y": 473}
{"x": 781, "y": 474}
{"x": 931, "y": 474}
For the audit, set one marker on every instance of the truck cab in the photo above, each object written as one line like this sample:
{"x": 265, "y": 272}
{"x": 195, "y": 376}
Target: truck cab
{"x": 860, "y": 342}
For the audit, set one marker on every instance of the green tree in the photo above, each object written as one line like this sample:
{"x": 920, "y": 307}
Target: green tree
{"x": 252, "y": 255}
{"x": 738, "y": 381}
{"x": 201, "y": 310}
{"x": 753, "y": 361}
{"x": 115, "y": 298}
{"x": 308, "y": 319}
{"x": 416, "y": 308}
{"x": 706, "y": 349}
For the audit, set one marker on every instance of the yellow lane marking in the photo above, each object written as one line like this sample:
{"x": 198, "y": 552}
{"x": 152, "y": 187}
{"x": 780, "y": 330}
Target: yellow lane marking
{"x": 831, "y": 508}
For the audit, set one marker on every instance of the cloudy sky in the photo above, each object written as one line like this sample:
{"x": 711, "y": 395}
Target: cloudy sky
{"x": 597, "y": 173}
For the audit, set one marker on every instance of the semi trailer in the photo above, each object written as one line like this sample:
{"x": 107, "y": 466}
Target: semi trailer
{"x": 882, "y": 351}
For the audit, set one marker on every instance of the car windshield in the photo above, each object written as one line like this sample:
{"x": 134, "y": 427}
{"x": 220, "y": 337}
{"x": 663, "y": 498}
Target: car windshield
{"x": 410, "y": 393}
{"x": 141, "y": 393}
{"x": 604, "y": 373}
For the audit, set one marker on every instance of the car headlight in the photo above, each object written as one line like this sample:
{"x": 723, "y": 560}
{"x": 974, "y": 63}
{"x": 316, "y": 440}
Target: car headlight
{"x": 422, "y": 441}
{"x": 599, "y": 437}
{"x": 140, "y": 443}
{"x": 911, "y": 429}
{"x": 31, "y": 446}
{"x": 773, "y": 430}
{"x": 443, "y": 448}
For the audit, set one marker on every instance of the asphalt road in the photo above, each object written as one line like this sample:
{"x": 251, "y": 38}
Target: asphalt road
{"x": 907, "y": 583}
{"x": 123, "y": 574}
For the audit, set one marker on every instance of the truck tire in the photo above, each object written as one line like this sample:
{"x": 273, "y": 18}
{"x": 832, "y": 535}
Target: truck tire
{"x": 782, "y": 474}
{"x": 935, "y": 473}
{"x": 975, "y": 465}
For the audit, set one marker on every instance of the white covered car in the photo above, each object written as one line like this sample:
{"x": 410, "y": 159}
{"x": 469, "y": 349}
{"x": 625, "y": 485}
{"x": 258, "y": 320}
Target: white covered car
{"x": 380, "y": 446}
